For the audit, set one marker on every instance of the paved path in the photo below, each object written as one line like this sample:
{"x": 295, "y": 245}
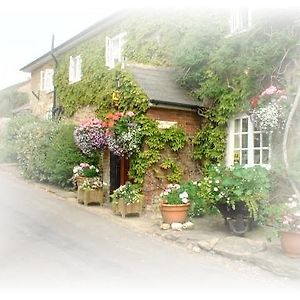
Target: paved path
{"x": 49, "y": 244}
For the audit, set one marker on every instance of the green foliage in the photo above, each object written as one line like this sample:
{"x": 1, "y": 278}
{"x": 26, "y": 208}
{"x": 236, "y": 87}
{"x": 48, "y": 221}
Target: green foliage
{"x": 44, "y": 150}
{"x": 210, "y": 144}
{"x": 129, "y": 193}
{"x": 156, "y": 140}
{"x": 11, "y": 100}
{"x": 33, "y": 140}
{"x": 62, "y": 155}
{"x": 9, "y": 151}
{"x": 176, "y": 173}
{"x": 231, "y": 185}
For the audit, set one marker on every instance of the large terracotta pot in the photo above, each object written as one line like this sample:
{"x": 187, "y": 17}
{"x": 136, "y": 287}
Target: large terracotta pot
{"x": 174, "y": 213}
{"x": 290, "y": 243}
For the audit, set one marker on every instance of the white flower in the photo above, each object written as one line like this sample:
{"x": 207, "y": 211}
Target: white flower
{"x": 183, "y": 195}
{"x": 216, "y": 189}
{"x": 185, "y": 200}
{"x": 217, "y": 181}
{"x": 195, "y": 182}
{"x": 292, "y": 204}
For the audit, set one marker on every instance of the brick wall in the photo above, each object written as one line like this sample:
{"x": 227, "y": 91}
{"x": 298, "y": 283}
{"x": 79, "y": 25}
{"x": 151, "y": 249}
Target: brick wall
{"x": 189, "y": 120}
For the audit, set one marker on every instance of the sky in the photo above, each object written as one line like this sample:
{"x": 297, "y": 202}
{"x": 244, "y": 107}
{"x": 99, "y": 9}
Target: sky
{"x": 26, "y": 27}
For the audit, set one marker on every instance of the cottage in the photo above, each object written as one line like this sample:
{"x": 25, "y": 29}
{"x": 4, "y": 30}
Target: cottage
{"x": 182, "y": 69}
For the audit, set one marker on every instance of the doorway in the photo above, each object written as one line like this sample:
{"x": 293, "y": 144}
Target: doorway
{"x": 119, "y": 167}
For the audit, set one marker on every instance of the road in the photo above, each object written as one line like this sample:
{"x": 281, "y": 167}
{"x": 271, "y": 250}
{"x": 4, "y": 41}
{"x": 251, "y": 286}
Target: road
{"x": 49, "y": 245}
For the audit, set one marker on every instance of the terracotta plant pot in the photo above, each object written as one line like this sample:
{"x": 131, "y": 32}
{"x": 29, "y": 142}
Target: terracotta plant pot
{"x": 174, "y": 213}
{"x": 290, "y": 243}
{"x": 125, "y": 209}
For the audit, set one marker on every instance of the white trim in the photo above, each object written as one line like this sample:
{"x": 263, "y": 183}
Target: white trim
{"x": 46, "y": 80}
{"x": 114, "y": 50}
{"x": 237, "y": 20}
{"x": 75, "y": 69}
{"x": 230, "y": 149}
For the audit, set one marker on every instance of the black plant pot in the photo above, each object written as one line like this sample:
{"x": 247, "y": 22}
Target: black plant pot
{"x": 238, "y": 220}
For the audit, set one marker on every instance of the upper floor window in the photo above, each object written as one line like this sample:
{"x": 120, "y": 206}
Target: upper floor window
{"x": 114, "y": 49}
{"x": 240, "y": 20}
{"x": 75, "y": 73}
{"x": 46, "y": 80}
{"x": 247, "y": 144}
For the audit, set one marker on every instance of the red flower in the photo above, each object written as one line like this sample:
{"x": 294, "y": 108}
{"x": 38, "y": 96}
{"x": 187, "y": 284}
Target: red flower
{"x": 110, "y": 116}
{"x": 254, "y": 101}
{"x": 110, "y": 124}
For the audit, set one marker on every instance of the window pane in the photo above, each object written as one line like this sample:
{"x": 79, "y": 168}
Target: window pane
{"x": 265, "y": 140}
{"x": 245, "y": 141}
{"x": 256, "y": 128}
{"x": 237, "y": 125}
{"x": 265, "y": 156}
{"x": 257, "y": 157}
{"x": 244, "y": 157}
{"x": 245, "y": 125}
{"x": 236, "y": 141}
{"x": 236, "y": 157}
{"x": 256, "y": 140}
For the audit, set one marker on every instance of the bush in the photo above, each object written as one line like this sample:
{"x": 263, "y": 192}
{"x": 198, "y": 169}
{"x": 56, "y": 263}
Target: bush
{"x": 62, "y": 155}
{"x": 33, "y": 141}
{"x": 10, "y": 137}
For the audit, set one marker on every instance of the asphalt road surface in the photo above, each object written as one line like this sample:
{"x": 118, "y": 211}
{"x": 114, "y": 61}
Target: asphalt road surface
{"x": 50, "y": 246}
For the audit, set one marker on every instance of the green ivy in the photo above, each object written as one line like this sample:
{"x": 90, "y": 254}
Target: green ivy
{"x": 210, "y": 144}
{"x": 176, "y": 173}
{"x": 156, "y": 141}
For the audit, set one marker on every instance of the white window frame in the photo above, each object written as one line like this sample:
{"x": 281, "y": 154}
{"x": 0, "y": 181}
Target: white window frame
{"x": 230, "y": 153}
{"x": 46, "y": 80}
{"x": 114, "y": 50}
{"x": 237, "y": 23}
{"x": 75, "y": 69}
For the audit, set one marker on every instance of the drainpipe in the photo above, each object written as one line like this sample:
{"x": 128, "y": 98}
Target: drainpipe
{"x": 54, "y": 87}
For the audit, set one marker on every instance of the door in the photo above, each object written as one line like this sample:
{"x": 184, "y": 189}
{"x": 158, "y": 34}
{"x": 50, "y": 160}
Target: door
{"x": 119, "y": 168}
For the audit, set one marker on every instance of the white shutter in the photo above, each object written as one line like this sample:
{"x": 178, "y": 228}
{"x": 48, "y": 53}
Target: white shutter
{"x": 49, "y": 80}
{"x": 108, "y": 52}
{"x": 42, "y": 79}
{"x": 71, "y": 70}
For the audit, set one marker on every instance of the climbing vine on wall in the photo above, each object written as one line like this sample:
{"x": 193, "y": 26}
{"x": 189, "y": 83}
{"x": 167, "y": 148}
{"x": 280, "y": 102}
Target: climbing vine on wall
{"x": 155, "y": 141}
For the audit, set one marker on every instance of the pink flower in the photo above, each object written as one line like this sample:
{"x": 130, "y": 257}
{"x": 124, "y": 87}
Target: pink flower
{"x": 269, "y": 91}
{"x": 130, "y": 114}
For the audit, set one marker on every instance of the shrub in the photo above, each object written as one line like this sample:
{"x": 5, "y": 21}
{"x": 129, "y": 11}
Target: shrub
{"x": 10, "y": 137}
{"x": 62, "y": 155}
{"x": 33, "y": 141}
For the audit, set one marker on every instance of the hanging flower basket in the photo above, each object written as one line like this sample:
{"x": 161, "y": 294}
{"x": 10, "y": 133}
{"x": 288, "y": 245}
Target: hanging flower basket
{"x": 269, "y": 110}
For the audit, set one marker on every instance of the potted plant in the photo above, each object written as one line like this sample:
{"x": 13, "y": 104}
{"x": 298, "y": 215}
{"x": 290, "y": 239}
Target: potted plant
{"x": 83, "y": 171}
{"x": 91, "y": 191}
{"x": 237, "y": 192}
{"x": 290, "y": 229}
{"x": 127, "y": 199}
{"x": 175, "y": 204}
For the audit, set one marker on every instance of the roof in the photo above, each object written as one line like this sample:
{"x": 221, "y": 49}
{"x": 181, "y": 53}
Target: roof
{"x": 14, "y": 87}
{"x": 77, "y": 39}
{"x": 160, "y": 86}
